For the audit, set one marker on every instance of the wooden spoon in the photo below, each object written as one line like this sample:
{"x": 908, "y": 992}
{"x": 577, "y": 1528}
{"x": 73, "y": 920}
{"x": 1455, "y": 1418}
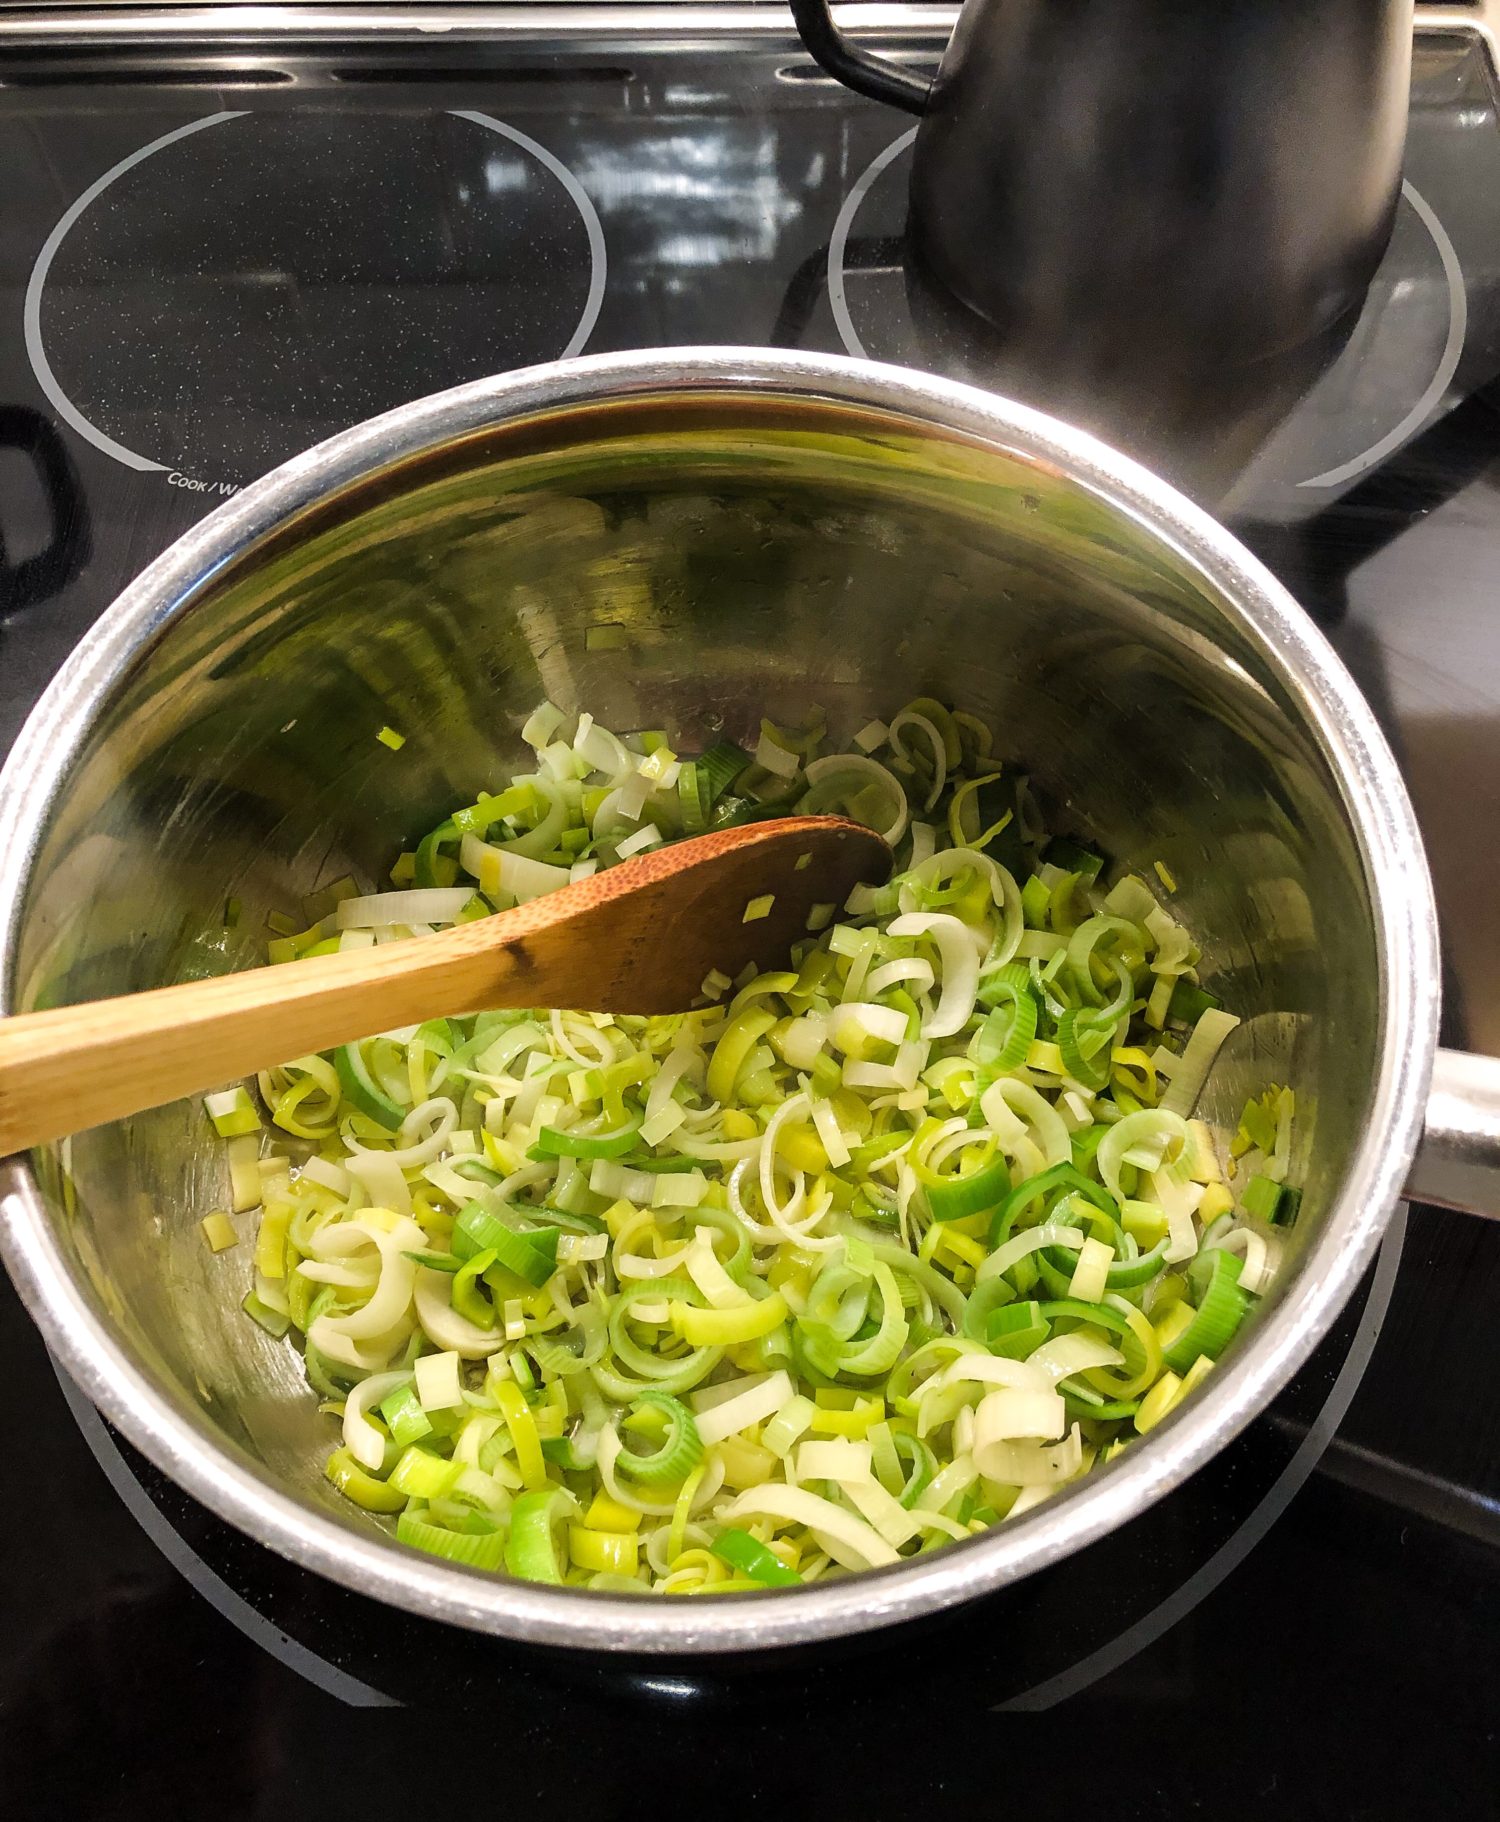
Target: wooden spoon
{"x": 640, "y": 937}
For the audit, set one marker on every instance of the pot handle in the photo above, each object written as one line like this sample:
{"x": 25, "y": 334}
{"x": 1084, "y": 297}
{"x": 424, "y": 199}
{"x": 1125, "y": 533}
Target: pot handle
{"x": 858, "y": 69}
{"x": 33, "y": 578}
{"x": 1458, "y": 1160}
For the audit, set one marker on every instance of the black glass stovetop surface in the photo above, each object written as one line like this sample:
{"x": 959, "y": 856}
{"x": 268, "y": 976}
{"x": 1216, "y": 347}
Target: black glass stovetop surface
{"x": 207, "y": 265}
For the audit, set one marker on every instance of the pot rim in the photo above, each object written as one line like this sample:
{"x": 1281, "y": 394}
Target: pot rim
{"x": 1404, "y": 915}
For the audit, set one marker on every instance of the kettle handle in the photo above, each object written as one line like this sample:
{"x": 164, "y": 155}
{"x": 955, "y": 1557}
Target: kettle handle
{"x": 856, "y": 68}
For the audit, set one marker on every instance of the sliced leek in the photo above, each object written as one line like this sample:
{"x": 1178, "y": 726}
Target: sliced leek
{"x": 839, "y": 1264}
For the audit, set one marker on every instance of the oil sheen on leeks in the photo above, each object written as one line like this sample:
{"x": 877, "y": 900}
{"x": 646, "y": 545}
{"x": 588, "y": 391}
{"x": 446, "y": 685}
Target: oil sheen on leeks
{"x": 853, "y": 1260}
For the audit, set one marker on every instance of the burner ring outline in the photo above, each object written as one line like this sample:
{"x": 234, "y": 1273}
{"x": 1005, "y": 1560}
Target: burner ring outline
{"x": 1391, "y": 440}
{"x": 36, "y": 351}
{"x": 839, "y": 241}
{"x": 1453, "y": 347}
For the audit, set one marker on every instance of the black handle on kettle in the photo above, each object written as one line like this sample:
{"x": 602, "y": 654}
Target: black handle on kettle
{"x": 856, "y": 68}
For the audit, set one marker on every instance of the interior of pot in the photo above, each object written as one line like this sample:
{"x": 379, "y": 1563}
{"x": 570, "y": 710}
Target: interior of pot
{"x": 689, "y": 566}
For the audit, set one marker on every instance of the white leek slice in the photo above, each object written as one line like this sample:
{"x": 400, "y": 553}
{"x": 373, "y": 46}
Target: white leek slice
{"x": 1146, "y": 1139}
{"x": 355, "y": 1277}
{"x": 1066, "y": 1355}
{"x": 392, "y": 1295}
{"x": 439, "y": 1384}
{"x": 948, "y": 1484}
{"x": 380, "y": 1176}
{"x": 430, "y": 905}
{"x": 756, "y": 1404}
{"x": 327, "y": 1175}
{"x": 501, "y": 870}
{"x": 1048, "y": 1133}
{"x": 910, "y": 970}
{"x": 638, "y": 1265}
{"x": 372, "y": 1356}
{"x": 1027, "y": 1498}
{"x": 657, "y": 1126}
{"x": 805, "y": 1039}
{"x": 960, "y": 980}
{"x": 1131, "y": 898}
{"x": 444, "y": 1325}
{"x": 706, "y": 1270}
{"x": 609, "y": 1452}
{"x": 438, "y": 1116}
{"x": 911, "y": 718}
{"x": 826, "y": 779}
{"x": 775, "y": 758}
{"x": 674, "y": 1066}
{"x": 1011, "y": 1413}
{"x": 603, "y": 751}
{"x": 580, "y": 1249}
{"x": 837, "y": 1458}
{"x": 847, "y": 1539}
{"x": 826, "y": 1122}
{"x": 1029, "y": 1240}
{"x": 363, "y": 1441}
{"x": 888, "y": 1516}
{"x": 675, "y": 1189}
{"x": 647, "y": 836}
{"x": 854, "y": 1023}
{"x": 1197, "y": 1059}
{"x": 1261, "y": 1254}
{"x": 1030, "y": 1464}
{"x": 1180, "y": 1201}
{"x": 1091, "y": 1274}
{"x": 542, "y": 723}
{"x": 778, "y": 1207}
{"x": 947, "y": 864}
{"x": 992, "y": 1369}
{"x": 607, "y": 1178}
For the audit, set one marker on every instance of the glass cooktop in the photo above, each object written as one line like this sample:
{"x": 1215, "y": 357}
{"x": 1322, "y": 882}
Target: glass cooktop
{"x": 221, "y": 247}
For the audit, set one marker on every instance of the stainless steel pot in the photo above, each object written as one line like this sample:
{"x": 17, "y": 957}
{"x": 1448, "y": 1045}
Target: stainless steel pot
{"x": 677, "y": 538}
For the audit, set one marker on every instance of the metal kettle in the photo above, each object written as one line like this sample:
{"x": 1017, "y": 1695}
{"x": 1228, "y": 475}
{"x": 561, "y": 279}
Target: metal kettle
{"x": 1187, "y": 183}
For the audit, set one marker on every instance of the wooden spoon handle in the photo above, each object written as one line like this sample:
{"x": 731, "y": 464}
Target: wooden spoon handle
{"x": 637, "y": 938}
{"x": 78, "y": 1066}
